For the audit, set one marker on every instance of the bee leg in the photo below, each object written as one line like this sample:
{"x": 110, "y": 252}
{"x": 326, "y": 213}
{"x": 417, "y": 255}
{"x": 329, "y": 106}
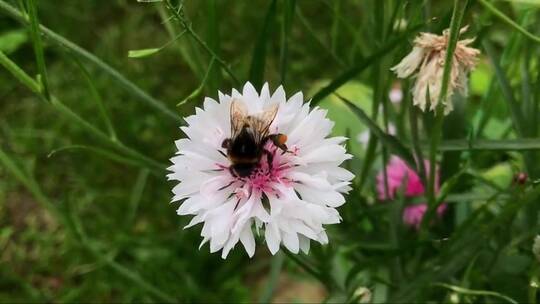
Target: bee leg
{"x": 233, "y": 173}
{"x": 279, "y": 140}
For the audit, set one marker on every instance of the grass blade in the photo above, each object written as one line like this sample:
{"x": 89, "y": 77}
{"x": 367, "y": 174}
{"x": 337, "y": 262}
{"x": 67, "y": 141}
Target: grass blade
{"x": 38, "y": 46}
{"x": 74, "y": 117}
{"x": 389, "y": 141}
{"x": 115, "y": 74}
{"x": 288, "y": 14}
{"x": 200, "y": 88}
{"x": 436, "y": 134}
{"x": 214, "y": 78}
{"x": 177, "y": 13}
{"x": 521, "y": 144}
{"x": 275, "y": 270}
{"x": 258, "y": 61}
{"x": 305, "y": 23}
{"x": 513, "y": 106}
{"x": 9, "y": 163}
{"x": 508, "y": 21}
{"x": 473, "y": 292}
{"x": 136, "y": 195}
{"x": 101, "y": 152}
{"x": 97, "y": 99}
{"x": 18, "y": 73}
{"x": 359, "y": 67}
{"x": 36, "y": 191}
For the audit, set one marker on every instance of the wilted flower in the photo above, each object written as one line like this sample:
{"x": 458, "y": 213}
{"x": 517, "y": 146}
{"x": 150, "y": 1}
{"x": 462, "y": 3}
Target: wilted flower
{"x": 536, "y": 247}
{"x": 428, "y": 57}
{"x": 290, "y": 195}
{"x": 400, "y": 176}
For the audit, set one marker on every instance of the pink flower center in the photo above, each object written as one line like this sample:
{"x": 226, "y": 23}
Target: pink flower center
{"x": 270, "y": 172}
{"x": 267, "y": 174}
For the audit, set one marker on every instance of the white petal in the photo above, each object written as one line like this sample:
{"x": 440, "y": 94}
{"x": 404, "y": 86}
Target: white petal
{"x": 304, "y": 244}
{"x": 290, "y": 240}
{"x": 272, "y": 238}
{"x": 247, "y": 239}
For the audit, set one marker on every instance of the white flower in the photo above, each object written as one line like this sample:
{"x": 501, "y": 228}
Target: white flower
{"x": 291, "y": 201}
{"x": 428, "y": 57}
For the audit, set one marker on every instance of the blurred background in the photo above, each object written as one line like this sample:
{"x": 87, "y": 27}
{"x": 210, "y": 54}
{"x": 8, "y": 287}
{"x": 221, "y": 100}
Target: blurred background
{"x": 86, "y": 218}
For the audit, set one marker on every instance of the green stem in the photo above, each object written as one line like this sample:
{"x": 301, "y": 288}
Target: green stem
{"x": 508, "y": 21}
{"x": 123, "y": 81}
{"x": 436, "y": 134}
{"x": 34, "y": 87}
{"x": 201, "y": 42}
{"x": 38, "y": 194}
{"x": 273, "y": 278}
{"x": 18, "y": 73}
{"x": 38, "y": 46}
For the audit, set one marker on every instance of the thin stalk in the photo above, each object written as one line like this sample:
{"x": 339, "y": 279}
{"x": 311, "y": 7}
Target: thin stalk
{"x": 96, "y": 96}
{"x": 184, "y": 52}
{"x": 34, "y": 87}
{"x": 38, "y": 47}
{"x": 413, "y": 120}
{"x": 178, "y": 16}
{"x": 275, "y": 270}
{"x": 18, "y": 73}
{"x": 436, "y": 134}
{"x": 200, "y": 88}
{"x": 288, "y": 13}
{"x": 121, "y": 79}
{"x": 508, "y": 21}
{"x": 303, "y": 20}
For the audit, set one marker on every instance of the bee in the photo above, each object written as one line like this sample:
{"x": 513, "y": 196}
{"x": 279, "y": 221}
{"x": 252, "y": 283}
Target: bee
{"x": 249, "y": 135}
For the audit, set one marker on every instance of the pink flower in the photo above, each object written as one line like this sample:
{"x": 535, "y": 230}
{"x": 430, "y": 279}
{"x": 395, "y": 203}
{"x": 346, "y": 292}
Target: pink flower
{"x": 399, "y": 173}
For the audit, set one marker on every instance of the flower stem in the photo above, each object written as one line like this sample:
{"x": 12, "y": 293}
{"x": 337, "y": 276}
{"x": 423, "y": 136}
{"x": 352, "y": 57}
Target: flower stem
{"x": 508, "y": 21}
{"x": 436, "y": 133}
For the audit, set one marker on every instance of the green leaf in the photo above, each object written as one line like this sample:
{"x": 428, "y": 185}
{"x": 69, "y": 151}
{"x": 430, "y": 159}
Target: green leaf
{"x": 143, "y": 52}
{"x": 10, "y": 41}
{"x": 391, "y": 142}
{"x": 258, "y": 61}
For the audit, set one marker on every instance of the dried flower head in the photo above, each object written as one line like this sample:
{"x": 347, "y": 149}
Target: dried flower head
{"x": 428, "y": 58}
{"x": 288, "y": 195}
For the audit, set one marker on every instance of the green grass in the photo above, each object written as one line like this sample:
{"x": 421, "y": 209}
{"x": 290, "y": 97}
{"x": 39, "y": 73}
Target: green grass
{"x": 93, "y": 94}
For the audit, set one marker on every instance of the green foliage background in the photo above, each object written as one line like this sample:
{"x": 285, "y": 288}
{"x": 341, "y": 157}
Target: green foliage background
{"x": 86, "y": 132}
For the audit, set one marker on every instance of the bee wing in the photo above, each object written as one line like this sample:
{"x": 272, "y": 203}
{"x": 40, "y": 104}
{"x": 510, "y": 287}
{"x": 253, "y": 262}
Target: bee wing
{"x": 263, "y": 121}
{"x": 238, "y": 115}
